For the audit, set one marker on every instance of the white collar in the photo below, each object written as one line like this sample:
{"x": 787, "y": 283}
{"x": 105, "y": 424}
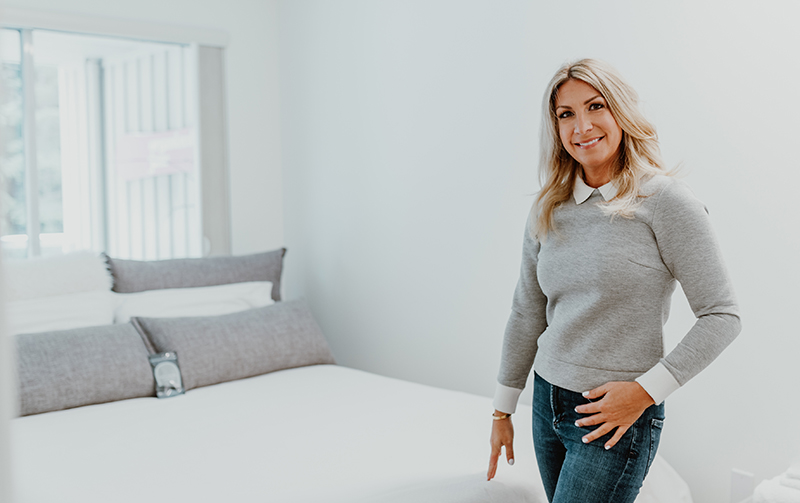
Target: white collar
{"x": 581, "y": 191}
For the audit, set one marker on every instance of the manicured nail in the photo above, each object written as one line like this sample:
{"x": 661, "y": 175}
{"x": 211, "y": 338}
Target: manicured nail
{"x": 585, "y": 440}
{"x": 577, "y": 424}
{"x": 511, "y": 461}
{"x": 608, "y": 447}
{"x": 576, "y": 410}
{"x": 585, "y": 393}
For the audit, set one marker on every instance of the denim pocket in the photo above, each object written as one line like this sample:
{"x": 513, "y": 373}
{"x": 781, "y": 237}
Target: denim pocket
{"x": 656, "y": 425}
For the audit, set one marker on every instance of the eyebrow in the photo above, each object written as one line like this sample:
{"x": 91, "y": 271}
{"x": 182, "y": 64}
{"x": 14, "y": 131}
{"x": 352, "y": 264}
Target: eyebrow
{"x": 585, "y": 102}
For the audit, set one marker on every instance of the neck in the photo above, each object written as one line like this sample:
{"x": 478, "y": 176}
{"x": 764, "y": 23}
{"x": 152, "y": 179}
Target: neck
{"x": 596, "y": 177}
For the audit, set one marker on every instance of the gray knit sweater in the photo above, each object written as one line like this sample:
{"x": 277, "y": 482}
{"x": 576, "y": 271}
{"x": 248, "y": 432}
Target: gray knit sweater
{"x": 593, "y": 297}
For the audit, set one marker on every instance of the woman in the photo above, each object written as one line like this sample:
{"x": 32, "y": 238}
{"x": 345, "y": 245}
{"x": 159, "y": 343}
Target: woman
{"x": 607, "y": 238}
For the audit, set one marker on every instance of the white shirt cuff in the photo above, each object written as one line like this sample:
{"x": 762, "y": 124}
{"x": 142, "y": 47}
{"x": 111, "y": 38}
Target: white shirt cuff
{"x": 658, "y": 382}
{"x": 505, "y": 399}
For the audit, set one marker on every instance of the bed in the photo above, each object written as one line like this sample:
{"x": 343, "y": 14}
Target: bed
{"x": 306, "y": 430}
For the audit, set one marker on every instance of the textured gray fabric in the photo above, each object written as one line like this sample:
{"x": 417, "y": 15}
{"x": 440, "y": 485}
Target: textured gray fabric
{"x": 132, "y": 276}
{"x": 71, "y": 368}
{"x": 214, "y": 349}
{"x": 592, "y": 298}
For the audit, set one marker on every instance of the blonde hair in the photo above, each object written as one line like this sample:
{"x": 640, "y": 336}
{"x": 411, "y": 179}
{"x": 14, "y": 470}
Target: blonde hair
{"x": 639, "y": 156}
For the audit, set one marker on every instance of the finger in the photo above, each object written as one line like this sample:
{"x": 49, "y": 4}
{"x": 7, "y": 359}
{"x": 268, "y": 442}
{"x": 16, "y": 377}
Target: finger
{"x": 510, "y": 455}
{"x": 592, "y": 420}
{"x": 595, "y": 393}
{"x": 617, "y": 435}
{"x": 589, "y": 408}
{"x": 597, "y": 433}
{"x": 492, "y": 469}
{"x": 493, "y": 462}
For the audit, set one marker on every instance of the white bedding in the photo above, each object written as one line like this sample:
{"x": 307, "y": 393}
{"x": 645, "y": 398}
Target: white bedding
{"x": 300, "y": 435}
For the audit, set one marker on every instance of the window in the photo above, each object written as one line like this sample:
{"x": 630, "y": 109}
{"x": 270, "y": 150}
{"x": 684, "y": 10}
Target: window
{"x": 12, "y": 165}
{"x": 100, "y": 146}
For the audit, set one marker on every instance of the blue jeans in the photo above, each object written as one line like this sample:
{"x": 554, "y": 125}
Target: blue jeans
{"x": 575, "y": 472}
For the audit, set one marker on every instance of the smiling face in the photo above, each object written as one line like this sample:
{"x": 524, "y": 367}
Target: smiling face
{"x": 587, "y": 130}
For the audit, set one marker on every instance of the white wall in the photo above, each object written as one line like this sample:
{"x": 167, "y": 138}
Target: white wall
{"x": 409, "y": 152}
{"x": 252, "y": 98}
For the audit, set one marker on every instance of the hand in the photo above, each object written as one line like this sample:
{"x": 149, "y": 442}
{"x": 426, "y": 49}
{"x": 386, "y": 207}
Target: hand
{"x": 502, "y": 435}
{"x": 621, "y": 405}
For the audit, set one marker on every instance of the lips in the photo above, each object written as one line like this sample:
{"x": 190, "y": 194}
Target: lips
{"x": 590, "y": 143}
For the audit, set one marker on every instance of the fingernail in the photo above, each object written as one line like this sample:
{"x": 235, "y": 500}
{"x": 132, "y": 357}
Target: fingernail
{"x": 577, "y": 424}
{"x": 585, "y": 440}
{"x": 585, "y": 393}
{"x": 608, "y": 447}
{"x": 576, "y": 410}
{"x": 511, "y": 461}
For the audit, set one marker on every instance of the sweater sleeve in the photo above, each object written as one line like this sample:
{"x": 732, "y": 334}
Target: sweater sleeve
{"x": 525, "y": 324}
{"x": 690, "y": 251}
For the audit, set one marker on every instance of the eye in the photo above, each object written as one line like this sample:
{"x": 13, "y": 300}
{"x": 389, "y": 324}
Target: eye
{"x": 596, "y": 106}
{"x": 564, "y": 115}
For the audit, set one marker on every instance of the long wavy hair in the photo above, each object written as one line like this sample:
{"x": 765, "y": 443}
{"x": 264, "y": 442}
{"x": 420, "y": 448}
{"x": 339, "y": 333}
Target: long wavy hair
{"x": 639, "y": 155}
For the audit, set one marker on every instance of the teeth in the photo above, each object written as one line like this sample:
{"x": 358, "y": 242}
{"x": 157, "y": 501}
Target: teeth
{"x": 589, "y": 142}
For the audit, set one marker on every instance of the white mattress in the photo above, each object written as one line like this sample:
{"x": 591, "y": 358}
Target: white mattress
{"x": 300, "y": 435}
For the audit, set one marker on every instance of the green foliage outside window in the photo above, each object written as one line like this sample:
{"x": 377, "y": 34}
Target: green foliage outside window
{"x": 12, "y": 160}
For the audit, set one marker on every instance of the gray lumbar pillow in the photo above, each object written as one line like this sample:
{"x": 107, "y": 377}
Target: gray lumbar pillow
{"x": 138, "y": 276}
{"x": 84, "y": 366}
{"x": 215, "y": 349}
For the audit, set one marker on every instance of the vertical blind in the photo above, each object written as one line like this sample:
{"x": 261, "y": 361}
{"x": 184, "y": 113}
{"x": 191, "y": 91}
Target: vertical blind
{"x": 153, "y": 217}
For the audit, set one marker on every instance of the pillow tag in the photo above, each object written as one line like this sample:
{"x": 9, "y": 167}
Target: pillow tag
{"x": 167, "y": 374}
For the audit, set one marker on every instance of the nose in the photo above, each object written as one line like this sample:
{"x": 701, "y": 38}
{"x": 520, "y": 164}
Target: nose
{"x": 582, "y": 124}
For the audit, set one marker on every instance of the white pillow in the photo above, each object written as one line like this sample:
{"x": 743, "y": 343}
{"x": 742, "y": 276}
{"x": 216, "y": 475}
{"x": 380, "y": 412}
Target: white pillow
{"x": 197, "y": 301}
{"x": 60, "y": 312}
{"x": 55, "y": 275}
